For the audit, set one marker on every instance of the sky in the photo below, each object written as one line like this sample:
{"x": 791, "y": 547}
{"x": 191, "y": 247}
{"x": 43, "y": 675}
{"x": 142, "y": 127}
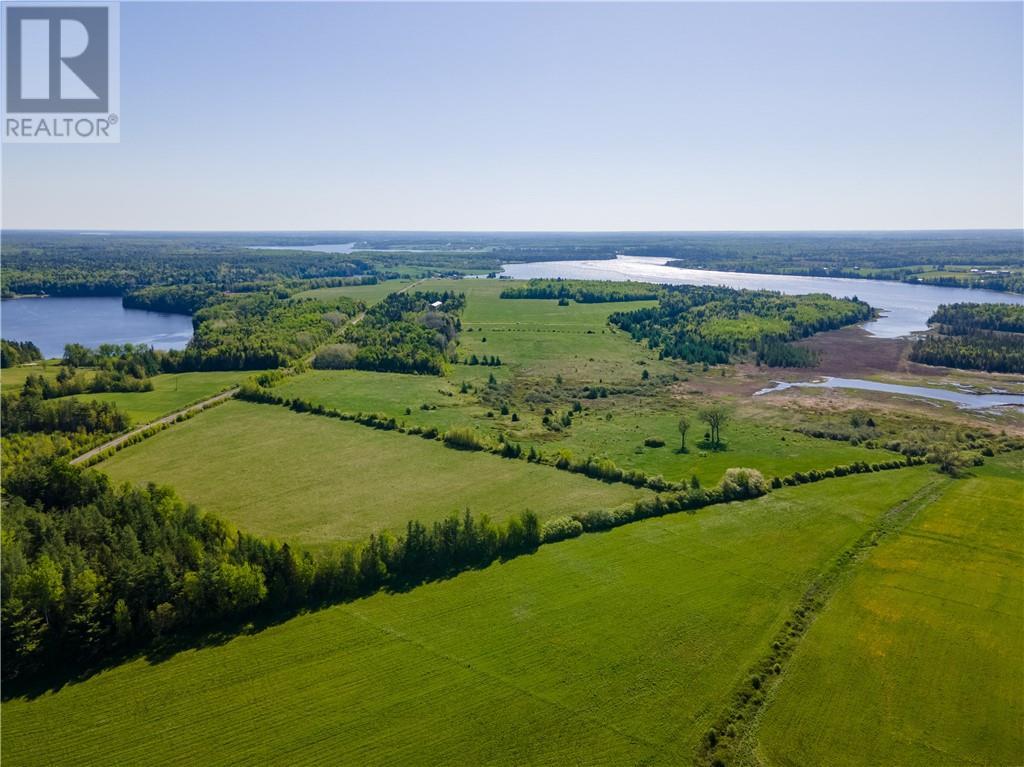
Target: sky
{"x": 548, "y": 116}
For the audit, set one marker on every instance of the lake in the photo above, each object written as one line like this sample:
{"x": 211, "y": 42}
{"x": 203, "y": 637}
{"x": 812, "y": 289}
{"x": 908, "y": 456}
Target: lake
{"x": 50, "y": 323}
{"x": 905, "y": 307}
{"x": 962, "y": 399}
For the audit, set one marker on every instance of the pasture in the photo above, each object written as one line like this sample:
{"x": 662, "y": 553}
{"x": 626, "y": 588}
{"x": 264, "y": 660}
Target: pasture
{"x": 749, "y": 441}
{"x": 918, "y": 659}
{"x": 542, "y": 339}
{"x": 614, "y": 648}
{"x": 13, "y": 378}
{"x": 312, "y": 480}
{"x": 171, "y": 392}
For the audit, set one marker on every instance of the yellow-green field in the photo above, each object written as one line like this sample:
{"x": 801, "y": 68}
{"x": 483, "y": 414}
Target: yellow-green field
{"x": 614, "y": 648}
{"x": 313, "y": 480}
{"x": 171, "y": 392}
{"x": 919, "y": 659}
{"x": 13, "y": 378}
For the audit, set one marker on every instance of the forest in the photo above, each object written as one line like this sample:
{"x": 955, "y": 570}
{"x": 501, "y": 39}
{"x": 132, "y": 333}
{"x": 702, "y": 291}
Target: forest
{"x": 18, "y": 353}
{"x": 712, "y": 325}
{"x": 962, "y": 319}
{"x": 258, "y": 330}
{"x": 973, "y": 336}
{"x": 74, "y": 265}
{"x": 66, "y": 264}
{"x": 404, "y": 333}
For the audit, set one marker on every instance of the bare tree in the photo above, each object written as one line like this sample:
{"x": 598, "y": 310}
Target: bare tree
{"x": 715, "y": 417}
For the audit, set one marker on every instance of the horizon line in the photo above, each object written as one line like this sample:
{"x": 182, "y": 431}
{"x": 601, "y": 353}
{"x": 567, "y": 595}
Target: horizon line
{"x": 108, "y": 230}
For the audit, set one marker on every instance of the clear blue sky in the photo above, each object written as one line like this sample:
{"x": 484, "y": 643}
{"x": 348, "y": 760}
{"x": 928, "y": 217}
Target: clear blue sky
{"x": 576, "y": 116}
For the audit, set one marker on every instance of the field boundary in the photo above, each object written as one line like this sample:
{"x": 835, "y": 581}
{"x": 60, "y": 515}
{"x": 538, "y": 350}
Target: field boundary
{"x": 592, "y": 467}
{"x": 731, "y": 739}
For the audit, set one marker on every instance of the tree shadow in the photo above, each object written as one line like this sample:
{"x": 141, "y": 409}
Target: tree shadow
{"x": 713, "y": 447}
{"x": 63, "y": 672}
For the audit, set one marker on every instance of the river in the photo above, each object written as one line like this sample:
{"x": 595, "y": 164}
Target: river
{"x": 963, "y": 399}
{"x": 905, "y": 307}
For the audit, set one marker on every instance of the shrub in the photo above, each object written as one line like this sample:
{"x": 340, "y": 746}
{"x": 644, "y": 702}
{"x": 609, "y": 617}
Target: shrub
{"x": 464, "y": 439}
{"x": 742, "y": 483}
{"x": 335, "y": 357}
{"x": 560, "y": 529}
{"x": 654, "y": 442}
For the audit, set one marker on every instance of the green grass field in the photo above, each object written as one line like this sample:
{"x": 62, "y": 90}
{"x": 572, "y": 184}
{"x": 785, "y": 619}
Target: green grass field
{"x": 541, "y": 338}
{"x": 919, "y": 659}
{"x": 171, "y": 392}
{"x": 614, "y": 648}
{"x": 311, "y": 479}
{"x": 773, "y": 450}
{"x": 749, "y": 442}
{"x": 13, "y": 378}
{"x": 364, "y": 391}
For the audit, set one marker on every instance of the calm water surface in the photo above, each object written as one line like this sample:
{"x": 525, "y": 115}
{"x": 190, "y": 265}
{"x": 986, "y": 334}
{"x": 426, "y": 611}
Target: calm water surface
{"x": 905, "y": 307}
{"x": 51, "y": 323}
{"x": 962, "y": 399}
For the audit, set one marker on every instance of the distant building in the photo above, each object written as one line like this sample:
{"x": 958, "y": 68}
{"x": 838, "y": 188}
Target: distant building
{"x": 436, "y": 304}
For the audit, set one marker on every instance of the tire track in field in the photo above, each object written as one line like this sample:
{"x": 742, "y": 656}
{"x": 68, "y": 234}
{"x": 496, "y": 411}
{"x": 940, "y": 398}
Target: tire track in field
{"x": 503, "y": 681}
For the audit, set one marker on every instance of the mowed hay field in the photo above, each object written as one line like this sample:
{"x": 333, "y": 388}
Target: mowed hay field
{"x": 614, "y": 648}
{"x": 312, "y": 480}
{"x": 171, "y": 392}
{"x": 919, "y": 659}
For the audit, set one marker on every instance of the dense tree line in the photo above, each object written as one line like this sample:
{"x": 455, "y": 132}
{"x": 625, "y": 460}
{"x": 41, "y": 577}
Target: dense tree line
{"x": 712, "y": 324}
{"x": 18, "y": 353}
{"x": 90, "y": 569}
{"x": 966, "y": 318}
{"x": 939, "y": 258}
{"x": 170, "y": 299}
{"x": 585, "y": 291}
{"x": 31, "y": 413}
{"x": 404, "y": 333}
{"x": 1002, "y": 353}
{"x": 975, "y": 337}
{"x": 61, "y": 264}
{"x": 778, "y": 354}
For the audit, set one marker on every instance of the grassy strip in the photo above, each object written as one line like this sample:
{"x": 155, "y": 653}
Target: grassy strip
{"x": 725, "y": 741}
